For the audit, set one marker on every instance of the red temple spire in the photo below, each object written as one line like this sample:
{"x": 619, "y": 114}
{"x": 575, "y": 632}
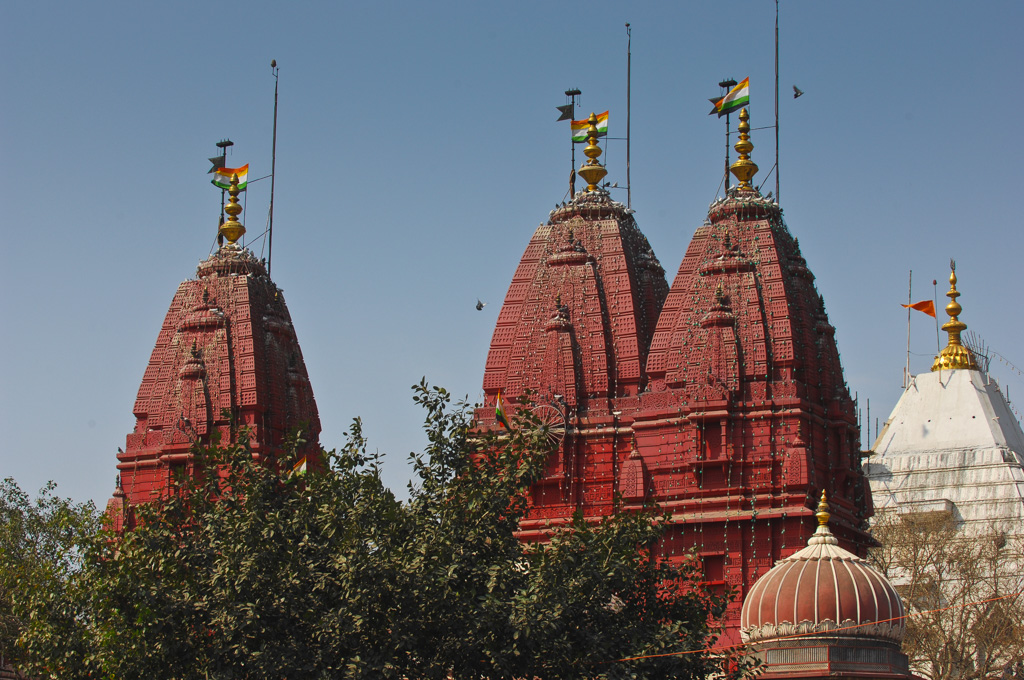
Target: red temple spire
{"x": 574, "y": 330}
{"x": 226, "y": 356}
{"x": 730, "y": 415}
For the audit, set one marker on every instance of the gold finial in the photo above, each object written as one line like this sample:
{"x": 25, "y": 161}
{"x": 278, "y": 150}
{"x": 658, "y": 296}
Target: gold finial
{"x": 744, "y": 168}
{"x": 823, "y": 513}
{"x": 592, "y": 171}
{"x": 232, "y": 229}
{"x": 954, "y": 354}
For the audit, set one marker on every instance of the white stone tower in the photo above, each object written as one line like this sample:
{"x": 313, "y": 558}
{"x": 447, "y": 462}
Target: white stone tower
{"x": 952, "y": 444}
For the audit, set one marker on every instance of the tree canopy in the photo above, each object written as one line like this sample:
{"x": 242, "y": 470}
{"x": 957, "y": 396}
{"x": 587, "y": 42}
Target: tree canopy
{"x": 40, "y": 545}
{"x": 250, "y": 571}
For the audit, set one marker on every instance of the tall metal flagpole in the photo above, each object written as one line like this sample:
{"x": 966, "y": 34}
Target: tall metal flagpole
{"x": 727, "y": 153}
{"x": 728, "y": 84}
{"x": 273, "y": 164}
{"x": 910, "y": 301}
{"x": 629, "y": 73}
{"x": 223, "y": 146}
{"x": 572, "y": 94}
{"x": 777, "y": 106}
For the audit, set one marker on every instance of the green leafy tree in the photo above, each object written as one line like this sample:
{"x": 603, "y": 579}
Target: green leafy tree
{"x": 251, "y": 572}
{"x": 41, "y": 546}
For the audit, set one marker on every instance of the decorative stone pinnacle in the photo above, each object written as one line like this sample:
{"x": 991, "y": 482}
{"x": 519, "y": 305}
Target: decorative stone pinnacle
{"x": 592, "y": 171}
{"x": 954, "y": 354}
{"x": 232, "y": 229}
{"x": 744, "y": 168}
{"x": 823, "y": 513}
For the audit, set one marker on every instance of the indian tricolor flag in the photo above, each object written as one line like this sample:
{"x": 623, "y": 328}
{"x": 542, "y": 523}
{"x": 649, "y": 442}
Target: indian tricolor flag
{"x": 737, "y": 98}
{"x": 580, "y": 127}
{"x": 299, "y": 469}
{"x": 222, "y": 177}
{"x": 499, "y": 411}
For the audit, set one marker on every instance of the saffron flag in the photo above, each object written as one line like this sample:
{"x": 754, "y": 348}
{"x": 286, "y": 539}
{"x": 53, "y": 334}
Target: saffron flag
{"x": 580, "y": 127}
{"x": 499, "y": 412}
{"x": 926, "y": 306}
{"x": 222, "y": 177}
{"x": 737, "y": 98}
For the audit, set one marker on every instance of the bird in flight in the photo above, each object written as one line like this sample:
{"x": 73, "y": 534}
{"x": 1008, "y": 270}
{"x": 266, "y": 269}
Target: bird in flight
{"x": 480, "y": 305}
{"x": 797, "y": 92}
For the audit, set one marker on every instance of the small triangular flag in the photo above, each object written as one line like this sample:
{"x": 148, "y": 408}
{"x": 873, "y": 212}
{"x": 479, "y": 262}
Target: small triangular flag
{"x": 926, "y": 306}
{"x": 566, "y": 112}
{"x": 218, "y": 163}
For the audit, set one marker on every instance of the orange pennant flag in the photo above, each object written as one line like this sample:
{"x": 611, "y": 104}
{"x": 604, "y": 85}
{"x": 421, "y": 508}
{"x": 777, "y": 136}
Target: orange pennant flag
{"x": 926, "y": 306}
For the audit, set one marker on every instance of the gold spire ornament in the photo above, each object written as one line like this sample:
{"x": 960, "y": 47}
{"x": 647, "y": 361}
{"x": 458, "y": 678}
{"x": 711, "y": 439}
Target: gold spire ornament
{"x": 954, "y": 354}
{"x": 232, "y": 229}
{"x": 823, "y": 514}
{"x": 592, "y": 171}
{"x": 744, "y": 168}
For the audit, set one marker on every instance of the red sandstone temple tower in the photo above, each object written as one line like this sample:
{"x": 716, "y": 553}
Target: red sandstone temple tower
{"x": 575, "y": 328}
{"x": 739, "y": 415}
{"x": 748, "y": 417}
{"x": 226, "y": 356}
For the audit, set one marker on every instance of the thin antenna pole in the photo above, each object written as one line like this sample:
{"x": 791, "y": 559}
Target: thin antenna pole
{"x": 777, "y": 102}
{"x": 910, "y": 301}
{"x": 935, "y": 297}
{"x": 273, "y": 165}
{"x": 224, "y": 155}
{"x": 223, "y": 146}
{"x": 629, "y": 73}
{"x": 726, "y": 86}
{"x": 572, "y": 94}
{"x": 727, "y": 116}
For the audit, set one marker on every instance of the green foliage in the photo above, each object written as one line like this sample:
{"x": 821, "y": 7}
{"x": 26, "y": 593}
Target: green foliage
{"x": 251, "y": 572}
{"x": 41, "y": 546}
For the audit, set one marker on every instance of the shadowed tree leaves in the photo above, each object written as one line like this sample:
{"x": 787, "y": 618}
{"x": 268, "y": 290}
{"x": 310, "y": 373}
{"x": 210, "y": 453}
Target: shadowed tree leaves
{"x": 40, "y": 551}
{"x": 251, "y": 572}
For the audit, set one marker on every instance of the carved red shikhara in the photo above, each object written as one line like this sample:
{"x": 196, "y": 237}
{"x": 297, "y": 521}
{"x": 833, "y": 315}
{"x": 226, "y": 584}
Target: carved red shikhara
{"x": 721, "y": 399}
{"x": 227, "y": 352}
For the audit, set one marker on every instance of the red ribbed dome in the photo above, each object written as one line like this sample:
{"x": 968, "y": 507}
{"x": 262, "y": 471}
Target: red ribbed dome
{"x": 821, "y": 589}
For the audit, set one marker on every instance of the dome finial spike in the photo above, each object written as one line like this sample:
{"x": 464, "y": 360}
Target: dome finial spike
{"x": 232, "y": 229}
{"x": 592, "y": 171}
{"x": 823, "y": 514}
{"x": 744, "y": 169}
{"x": 954, "y": 354}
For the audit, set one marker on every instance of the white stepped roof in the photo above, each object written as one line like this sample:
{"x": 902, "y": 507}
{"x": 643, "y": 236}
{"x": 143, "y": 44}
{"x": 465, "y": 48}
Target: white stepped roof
{"x": 952, "y": 443}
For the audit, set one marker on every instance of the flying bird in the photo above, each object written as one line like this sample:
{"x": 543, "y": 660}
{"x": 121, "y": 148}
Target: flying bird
{"x": 797, "y": 92}
{"x": 480, "y": 305}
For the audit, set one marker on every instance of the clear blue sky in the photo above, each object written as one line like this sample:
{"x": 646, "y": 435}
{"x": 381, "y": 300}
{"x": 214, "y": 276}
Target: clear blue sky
{"x": 417, "y": 152}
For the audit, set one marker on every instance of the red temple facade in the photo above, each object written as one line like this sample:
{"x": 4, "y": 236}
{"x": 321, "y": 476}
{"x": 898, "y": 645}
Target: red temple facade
{"x": 226, "y": 358}
{"x": 723, "y": 401}
{"x": 574, "y": 332}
